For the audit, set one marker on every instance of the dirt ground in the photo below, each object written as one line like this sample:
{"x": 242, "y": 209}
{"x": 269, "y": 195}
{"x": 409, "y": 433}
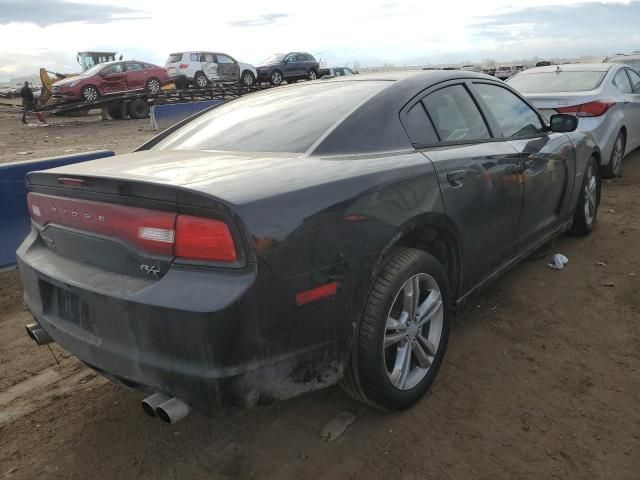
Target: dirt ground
{"x": 541, "y": 379}
{"x": 64, "y": 135}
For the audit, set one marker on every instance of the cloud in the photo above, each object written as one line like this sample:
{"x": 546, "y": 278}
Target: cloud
{"x": 260, "y": 20}
{"x": 594, "y": 20}
{"x": 51, "y": 12}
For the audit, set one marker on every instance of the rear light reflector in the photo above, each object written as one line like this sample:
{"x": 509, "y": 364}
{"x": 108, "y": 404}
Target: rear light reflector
{"x": 316, "y": 293}
{"x": 155, "y": 232}
{"x": 591, "y": 109}
{"x": 204, "y": 239}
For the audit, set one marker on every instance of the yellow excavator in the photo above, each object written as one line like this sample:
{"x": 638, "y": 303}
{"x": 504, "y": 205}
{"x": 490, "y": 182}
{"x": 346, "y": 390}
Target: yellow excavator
{"x": 86, "y": 61}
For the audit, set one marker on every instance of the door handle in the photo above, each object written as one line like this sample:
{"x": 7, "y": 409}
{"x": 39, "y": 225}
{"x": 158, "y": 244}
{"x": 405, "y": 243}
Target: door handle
{"x": 456, "y": 178}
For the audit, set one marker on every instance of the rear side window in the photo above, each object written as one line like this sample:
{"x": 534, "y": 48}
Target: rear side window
{"x": 515, "y": 118}
{"x": 175, "y": 57}
{"x": 455, "y": 115}
{"x": 277, "y": 120}
{"x": 131, "y": 67}
{"x": 208, "y": 57}
{"x": 418, "y": 126}
{"x": 621, "y": 81}
{"x": 635, "y": 81}
{"x": 559, "y": 81}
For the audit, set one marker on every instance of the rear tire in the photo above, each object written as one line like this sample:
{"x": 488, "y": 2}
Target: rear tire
{"x": 153, "y": 86}
{"x": 588, "y": 201}
{"x": 313, "y": 75}
{"x": 138, "y": 108}
{"x": 378, "y": 372}
{"x": 612, "y": 169}
{"x": 200, "y": 80}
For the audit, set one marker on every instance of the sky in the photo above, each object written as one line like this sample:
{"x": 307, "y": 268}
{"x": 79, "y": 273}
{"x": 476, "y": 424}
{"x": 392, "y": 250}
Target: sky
{"x": 35, "y": 33}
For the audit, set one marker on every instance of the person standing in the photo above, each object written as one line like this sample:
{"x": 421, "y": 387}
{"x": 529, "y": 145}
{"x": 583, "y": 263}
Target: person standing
{"x": 27, "y": 101}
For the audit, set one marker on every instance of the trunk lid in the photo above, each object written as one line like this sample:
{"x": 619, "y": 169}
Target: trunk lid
{"x": 548, "y": 103}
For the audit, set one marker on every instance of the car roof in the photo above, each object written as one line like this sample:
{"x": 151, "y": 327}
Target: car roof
{"x": 571, "y": 67}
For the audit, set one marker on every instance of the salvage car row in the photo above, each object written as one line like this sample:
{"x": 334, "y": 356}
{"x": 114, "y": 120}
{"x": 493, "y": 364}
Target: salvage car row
{"x": 197, "y": 69}
{"x": 238, "y": 259}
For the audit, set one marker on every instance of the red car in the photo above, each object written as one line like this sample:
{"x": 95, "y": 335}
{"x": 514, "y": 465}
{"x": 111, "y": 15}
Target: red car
{"x": 111, "y": 77}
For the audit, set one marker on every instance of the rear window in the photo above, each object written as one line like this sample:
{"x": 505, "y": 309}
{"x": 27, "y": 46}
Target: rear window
{"x": 549, "y": 82}
{"x": 631, "y": 62}
{"x": 280, "y": 120}
{"x": 174, "y": 58}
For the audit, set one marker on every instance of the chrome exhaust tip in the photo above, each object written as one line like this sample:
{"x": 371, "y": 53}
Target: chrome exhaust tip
{"x": 173, "y": 410}
{"x": 152, "y": 402}
{"x": 38, "y": 334}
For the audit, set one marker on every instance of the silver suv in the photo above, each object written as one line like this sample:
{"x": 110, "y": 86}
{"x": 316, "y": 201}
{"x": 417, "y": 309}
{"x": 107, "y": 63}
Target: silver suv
{"x": 199, "y": 69}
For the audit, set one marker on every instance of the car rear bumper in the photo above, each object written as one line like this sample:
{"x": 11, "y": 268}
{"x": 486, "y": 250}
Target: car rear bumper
{"x": 205, "y": 336}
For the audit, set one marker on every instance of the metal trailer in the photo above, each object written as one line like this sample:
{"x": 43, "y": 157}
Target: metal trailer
{"x": 137, "y": 104}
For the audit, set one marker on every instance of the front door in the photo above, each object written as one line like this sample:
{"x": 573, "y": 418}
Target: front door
{"x": 481, "y": 189}
{"x": 291, "y": 66}
{"x": 113, "y": 79}
{"x": 545, "y": 160}
{"x": 228, "y": 69}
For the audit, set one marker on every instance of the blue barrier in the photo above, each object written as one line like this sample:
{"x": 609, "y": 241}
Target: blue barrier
{"x": 164, "y": 116}
{"x": 14, "y": 216}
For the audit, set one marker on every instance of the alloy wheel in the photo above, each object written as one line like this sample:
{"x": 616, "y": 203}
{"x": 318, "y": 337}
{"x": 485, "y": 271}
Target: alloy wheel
{"x": 591, "y": 195}
{"x": 276, "y": 78}
{"x": 201, "y": 81}
{"x": 413, "y": 331}
{"x": 247, "y": 79}
{"x": 154, "y": 86}
{"x": 90, "y": 94}
{"x": 616, "y": 156}
{"x": 312, "y": 75}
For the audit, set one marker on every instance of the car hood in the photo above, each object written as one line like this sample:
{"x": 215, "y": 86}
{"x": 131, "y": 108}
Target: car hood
{"x": 67, "y": 81}
{"x": 235, "y": 177}
{"x": 266, "y": 65}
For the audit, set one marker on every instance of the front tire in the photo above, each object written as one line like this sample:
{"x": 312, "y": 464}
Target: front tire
{"x": 403, "y": 333}
{"x": 587, "y": 209}
{"x": 89, "y": 93}
{"x": 612, "y": 169}
{"x": 312, "y": 75}
{"x": 247, "y": 79}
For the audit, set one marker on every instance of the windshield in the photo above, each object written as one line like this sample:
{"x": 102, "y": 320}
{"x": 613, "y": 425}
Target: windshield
{"x": 549, "y": 82}
{"x": 289, "y": 119}
{"x": 92, "y": 71}
{"x": 275, "y": 58}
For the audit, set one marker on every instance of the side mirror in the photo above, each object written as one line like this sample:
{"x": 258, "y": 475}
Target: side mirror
{"x": 563, "y": 123}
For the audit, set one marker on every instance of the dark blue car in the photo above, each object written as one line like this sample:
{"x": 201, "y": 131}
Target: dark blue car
{"x": 290, "y": 66}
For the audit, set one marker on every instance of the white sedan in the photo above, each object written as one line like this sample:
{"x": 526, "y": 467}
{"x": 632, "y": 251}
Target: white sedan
{"x": 604, "y": 96}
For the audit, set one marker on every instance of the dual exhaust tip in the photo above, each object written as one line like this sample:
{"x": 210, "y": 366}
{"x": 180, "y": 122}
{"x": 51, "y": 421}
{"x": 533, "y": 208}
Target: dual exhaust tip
{"x": 166, "y": 408}
{"x": 38, "y": 334}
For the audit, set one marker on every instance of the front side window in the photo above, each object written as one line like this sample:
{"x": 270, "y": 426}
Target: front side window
{"x": 514, "y": 116}
{"x": 116, "y": 68}
{"x": 635, "y": 81}
{"x": 621, "y": 82}
{"x": 247, "y": 123}
{"x": 291, "y": 58}
{"x": 455, "y": 115}
{"x": 224, "y": 59}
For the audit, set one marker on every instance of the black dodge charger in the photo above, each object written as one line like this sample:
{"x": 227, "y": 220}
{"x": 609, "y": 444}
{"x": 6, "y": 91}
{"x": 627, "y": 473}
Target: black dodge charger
{"x": 300, "y": 237}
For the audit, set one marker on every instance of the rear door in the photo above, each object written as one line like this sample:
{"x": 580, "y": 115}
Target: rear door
{"x": 481, "y": 193}
{"x": 228, "y": 68}
{"x": 135, "y": 75}
{"x": 113, "y": 79}
{"x": 633, "y": 132}
{"x": 209, "y": 66}
{"x": 545, "y": 160}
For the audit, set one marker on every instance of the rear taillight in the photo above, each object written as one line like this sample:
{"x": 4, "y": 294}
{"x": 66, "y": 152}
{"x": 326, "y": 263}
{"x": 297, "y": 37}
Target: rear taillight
{"x": 160, "y": 233}
{"x": 182, "y": 66}
{"x": 591, "y": 109}
{"x": 204, "y": 239}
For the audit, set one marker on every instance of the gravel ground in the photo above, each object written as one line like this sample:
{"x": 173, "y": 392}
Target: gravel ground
{"x": 541, "y": 379}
